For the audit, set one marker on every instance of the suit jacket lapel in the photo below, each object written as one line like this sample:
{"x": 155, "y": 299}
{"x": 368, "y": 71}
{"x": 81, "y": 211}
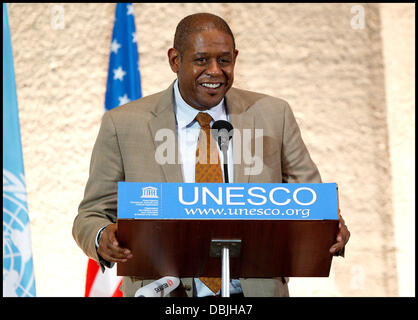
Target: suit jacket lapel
{"x": 164, "y": 118}
{"x": 240, "y": 120}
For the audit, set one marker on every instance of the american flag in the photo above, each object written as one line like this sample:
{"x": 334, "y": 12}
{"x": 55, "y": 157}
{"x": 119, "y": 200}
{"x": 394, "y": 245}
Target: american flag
{"x": 123, "y": 85}
{"x": 123, "y": 80}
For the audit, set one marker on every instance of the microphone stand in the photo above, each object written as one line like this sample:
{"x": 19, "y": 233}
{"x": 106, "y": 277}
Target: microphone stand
{"x": 223, "y": 129}
{"x": 226, "y": 281}
{"x": 224, "y": 148}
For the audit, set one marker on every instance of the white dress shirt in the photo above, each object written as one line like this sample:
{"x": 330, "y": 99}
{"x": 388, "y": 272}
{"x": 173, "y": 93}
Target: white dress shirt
{"x": 188, "y": 130}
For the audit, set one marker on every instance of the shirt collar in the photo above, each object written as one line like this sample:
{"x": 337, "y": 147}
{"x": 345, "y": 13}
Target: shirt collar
{"x": 185, "y": 114}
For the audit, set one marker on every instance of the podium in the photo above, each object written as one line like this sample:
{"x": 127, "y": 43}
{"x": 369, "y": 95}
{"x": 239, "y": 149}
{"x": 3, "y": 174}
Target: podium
{"x": 260, "y": 246}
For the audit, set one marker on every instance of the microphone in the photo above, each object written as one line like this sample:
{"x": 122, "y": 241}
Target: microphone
{"x": 222, "y": 131}
{"x": 158, "y": 288}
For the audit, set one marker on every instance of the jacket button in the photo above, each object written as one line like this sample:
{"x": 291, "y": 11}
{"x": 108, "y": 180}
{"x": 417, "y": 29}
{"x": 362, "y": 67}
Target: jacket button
{"x": 188, "y": 287}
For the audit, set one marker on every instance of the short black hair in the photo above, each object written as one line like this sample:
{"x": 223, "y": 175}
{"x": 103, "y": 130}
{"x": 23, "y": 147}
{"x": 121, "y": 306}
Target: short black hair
{"x": 193, "y": 23}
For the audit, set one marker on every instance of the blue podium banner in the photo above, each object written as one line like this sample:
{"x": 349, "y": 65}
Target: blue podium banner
{"x": 239, "y": 201}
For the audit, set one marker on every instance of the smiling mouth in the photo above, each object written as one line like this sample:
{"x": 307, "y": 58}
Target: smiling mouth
{"x": 211, "y": 85}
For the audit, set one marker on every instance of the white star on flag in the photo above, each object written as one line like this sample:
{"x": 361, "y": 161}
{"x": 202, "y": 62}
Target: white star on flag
{"x": 130, "y": 9}
{"x": 134, "y": 38}
{"x": 124, "y": 99}
{"x": 118, "y": 74}
{"x": 114, "y": 46}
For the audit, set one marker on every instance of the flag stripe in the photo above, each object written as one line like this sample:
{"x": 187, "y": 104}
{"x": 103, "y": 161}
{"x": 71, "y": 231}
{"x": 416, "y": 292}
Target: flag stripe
{"x": 105, "y": 284}
{"x": 92, "y": 269}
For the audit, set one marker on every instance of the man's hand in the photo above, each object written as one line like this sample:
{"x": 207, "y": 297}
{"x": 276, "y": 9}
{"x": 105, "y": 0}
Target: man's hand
{"x": 109, "y": 246}
{"x": 342, "y": 236}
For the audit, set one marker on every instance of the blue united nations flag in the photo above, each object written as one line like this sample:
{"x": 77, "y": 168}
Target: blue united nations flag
{"x": 18, "y": 277}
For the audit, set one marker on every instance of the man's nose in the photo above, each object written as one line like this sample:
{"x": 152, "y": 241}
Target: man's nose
{"x": 214, "y": 68}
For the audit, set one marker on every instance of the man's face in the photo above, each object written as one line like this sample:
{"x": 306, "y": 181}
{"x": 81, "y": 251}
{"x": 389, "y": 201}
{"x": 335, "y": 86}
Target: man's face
{"x": 206, "y": 69}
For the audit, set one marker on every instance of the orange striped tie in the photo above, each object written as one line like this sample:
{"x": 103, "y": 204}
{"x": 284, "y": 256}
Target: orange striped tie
{"x": 208, "y": 169}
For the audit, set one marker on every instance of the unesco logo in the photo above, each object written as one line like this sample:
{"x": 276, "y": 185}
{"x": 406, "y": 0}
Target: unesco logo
{"x": 149, "y": 192}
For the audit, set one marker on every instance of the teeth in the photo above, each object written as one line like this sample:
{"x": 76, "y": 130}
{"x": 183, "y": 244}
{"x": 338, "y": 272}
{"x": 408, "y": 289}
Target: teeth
{"x": 211, "y": 85}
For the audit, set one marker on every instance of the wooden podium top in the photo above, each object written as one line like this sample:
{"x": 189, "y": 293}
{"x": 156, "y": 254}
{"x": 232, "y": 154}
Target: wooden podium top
{"x": 269, "y": 248}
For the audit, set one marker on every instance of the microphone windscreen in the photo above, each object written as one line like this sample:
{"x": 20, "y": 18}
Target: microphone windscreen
{"x": 158, "y": 288}
{"x": 222, "y": 124}
{"x": 222, "y": 132}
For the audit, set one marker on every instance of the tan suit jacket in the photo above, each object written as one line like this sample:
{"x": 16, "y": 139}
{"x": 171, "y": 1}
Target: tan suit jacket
{"x": 125, "y": 148}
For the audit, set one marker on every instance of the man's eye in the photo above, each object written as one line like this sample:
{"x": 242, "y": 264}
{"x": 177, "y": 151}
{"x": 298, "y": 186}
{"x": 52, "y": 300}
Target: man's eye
{"x": 201, "y": 60}
{"x": 225, "y": 61}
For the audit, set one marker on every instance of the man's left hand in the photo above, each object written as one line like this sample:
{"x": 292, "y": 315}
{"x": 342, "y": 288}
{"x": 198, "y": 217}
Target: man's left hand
{"x": 342, "y": 236}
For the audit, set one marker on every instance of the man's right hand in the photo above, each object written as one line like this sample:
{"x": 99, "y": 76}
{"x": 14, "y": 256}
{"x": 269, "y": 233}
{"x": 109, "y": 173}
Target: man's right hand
{"x": 109, "y": 248}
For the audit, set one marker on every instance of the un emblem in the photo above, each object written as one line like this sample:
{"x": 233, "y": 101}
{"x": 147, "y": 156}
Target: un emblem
{"x": 18, "y": 278}
{"x": 149, "y": 192}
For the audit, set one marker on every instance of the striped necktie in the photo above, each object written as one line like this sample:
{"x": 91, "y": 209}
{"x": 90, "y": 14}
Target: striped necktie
{"x": 208, "y": 169}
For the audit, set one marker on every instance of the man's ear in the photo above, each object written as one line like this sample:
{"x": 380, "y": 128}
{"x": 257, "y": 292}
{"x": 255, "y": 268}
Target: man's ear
{"x": 235, "y": 55}
{"x": 174, "y": 59}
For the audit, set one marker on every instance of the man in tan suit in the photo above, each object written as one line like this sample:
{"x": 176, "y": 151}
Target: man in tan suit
{"x": 203, "y": 58}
